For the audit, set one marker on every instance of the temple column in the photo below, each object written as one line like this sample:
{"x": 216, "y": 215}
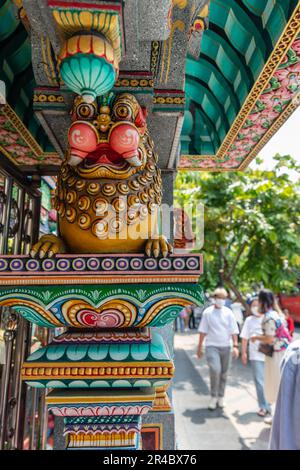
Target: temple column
{"x": 113, "y": 364}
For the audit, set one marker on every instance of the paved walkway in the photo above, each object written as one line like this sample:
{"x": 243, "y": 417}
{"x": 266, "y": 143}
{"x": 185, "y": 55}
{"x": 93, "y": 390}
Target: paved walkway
{"x": 237, "y": 427}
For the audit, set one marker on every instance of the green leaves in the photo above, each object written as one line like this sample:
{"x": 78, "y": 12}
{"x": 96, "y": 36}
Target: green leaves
{"x": 260, "y": 209}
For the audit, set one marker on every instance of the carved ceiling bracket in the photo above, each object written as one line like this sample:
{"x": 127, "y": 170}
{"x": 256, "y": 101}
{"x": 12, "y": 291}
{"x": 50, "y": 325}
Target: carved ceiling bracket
{"x": 136, "y": 46}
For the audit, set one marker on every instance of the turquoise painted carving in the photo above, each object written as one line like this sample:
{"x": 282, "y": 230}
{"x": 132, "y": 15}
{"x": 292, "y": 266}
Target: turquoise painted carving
{"x": 87, "y": 66}
{"x": 100, "y": 365}
{"x": 102, "y": 306}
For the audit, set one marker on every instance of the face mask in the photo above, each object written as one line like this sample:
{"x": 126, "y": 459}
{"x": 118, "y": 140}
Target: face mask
{"x": 255, "y": 311}
{"x": 220, "y": 303}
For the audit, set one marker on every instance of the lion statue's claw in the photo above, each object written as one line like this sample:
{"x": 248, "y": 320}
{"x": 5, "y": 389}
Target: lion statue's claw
{"x": 47, "y": 247}
{"x": 158, "y": 246}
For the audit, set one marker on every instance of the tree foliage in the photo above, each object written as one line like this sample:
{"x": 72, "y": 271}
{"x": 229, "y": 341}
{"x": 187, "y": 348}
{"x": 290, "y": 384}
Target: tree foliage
{"x": 252, "y": 225}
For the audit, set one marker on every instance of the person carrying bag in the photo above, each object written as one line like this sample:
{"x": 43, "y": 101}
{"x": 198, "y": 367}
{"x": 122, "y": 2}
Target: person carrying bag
{"x": 273, "y": 343}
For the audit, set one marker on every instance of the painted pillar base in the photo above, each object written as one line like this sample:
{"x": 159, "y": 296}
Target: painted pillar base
{"x": 103, "y": 382}
{"x": 110, "y": 367}
{"x": 101, "y": 419}
{"x": 158, "y": 432}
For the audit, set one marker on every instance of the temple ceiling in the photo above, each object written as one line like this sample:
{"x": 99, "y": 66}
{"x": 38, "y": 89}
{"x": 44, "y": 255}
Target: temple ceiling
{"x": 22, "y": 138}
{"x": 215, "y": 90}
{"x": 243, "y": 85}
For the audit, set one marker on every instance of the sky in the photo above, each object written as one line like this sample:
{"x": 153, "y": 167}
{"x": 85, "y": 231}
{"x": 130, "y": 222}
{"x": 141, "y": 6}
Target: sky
{"x": 285, "y": 142}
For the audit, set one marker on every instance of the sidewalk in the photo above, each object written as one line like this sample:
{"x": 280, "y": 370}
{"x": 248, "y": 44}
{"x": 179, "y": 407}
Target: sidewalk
{"x": 237, "y": 427}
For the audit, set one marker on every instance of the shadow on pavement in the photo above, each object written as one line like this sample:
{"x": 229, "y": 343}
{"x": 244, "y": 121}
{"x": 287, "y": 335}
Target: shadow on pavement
{"x": 200, "y": 415}
{"x": 246, "y": 418}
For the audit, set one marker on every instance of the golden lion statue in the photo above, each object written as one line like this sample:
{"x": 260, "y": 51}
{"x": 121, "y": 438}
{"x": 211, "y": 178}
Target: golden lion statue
{"x": 109, "y": 189}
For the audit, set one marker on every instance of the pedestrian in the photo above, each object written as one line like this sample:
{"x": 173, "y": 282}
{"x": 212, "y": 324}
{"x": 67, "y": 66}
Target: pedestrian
{"x": 198, "y": 314}
{"x": 185, "y": 316}
{"x": 237, "y": 310}
{"x": 179, "y": 324}
{"x": 289, "y": 321}
{"x": 273, "y": 343}
{"x": 285, "y": 433}
{"x": 219, "y": 328}
{"x": 192, "y": 318}
{"x": 253, "y": 327}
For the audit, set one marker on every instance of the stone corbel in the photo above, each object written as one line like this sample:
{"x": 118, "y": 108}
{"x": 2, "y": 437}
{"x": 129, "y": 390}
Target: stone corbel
{"x": 199, "y": 23}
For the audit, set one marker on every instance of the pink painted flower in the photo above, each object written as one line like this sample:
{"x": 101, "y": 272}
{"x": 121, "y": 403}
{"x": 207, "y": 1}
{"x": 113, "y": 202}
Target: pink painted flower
{"x": 296, "y": 47}
{"x": 208, "y": 163}
{"x": 289, "y": 77}
{"x": 22, "y": 160}
{"x": 236, "y": 154}
{"x": 276, "y": 98}
{"x": 230, "y": 164}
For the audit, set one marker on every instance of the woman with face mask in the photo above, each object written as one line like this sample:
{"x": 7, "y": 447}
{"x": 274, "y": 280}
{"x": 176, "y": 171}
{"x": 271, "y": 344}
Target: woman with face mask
{"x": 273, "y": 343}
{"x": 252, "y": 327}
{"x": 219, "y": 329}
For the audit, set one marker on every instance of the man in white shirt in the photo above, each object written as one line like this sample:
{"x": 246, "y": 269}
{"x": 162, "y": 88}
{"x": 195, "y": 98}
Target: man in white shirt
{"x": 219, "y": 328}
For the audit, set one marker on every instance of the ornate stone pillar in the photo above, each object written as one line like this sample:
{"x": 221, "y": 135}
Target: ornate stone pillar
{"x": 109, "y": 368}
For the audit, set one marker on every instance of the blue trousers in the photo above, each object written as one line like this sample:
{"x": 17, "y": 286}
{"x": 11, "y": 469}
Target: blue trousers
{"x": 258, "y": 370}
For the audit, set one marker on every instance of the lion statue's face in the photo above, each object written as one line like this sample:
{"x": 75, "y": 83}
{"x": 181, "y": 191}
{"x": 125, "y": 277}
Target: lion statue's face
{"x": 109, "y": 187}
{"x": 108, "y": 141}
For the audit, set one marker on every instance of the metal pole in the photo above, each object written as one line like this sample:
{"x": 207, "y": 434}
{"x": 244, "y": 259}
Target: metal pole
{"x": 18, "y": 237}
{"x": 18, "y": 401}
{"x": 44, "y": 424}
{"x": 19, "y": 390}
{"x": 43, "y": 421}
{"x": 21, "y": 425}
{"x": 34, "y": 397}
{"x": 44, "y": 408}
{"x": 9, "y": 336}
{"x": 36, "y": 209}
{"x": 2, "y": 202}
{"x": 26, "y": 238}
{"x": 8, "y": 192}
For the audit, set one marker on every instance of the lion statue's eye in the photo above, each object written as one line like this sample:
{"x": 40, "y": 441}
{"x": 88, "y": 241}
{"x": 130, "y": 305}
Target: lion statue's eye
{"x": 86, "y": 111}
{"x": 123, "y": 112}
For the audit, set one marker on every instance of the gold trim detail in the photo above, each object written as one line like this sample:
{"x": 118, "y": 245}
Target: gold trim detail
{"x": 168, "y": 100}
{"x": 44, "y": 98}
{"x": 96, "y": 370}
{"x": 135, "y": 82}
{"x": 23, "y": 131}
{"x": 82, "y": 399}
{"x": 48, "y": 64}
{"x": 71, "y": 20}
{"x": 162, "y": 401}
{"x": 167, "y": 51}
{"x": 64, "y": 280}
{"x": 273, "y": 129}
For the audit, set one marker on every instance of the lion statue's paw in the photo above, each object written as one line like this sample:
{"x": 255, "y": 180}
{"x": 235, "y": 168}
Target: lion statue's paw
{"x": 158, "y": 246}
{"x": 47, "y": 247}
